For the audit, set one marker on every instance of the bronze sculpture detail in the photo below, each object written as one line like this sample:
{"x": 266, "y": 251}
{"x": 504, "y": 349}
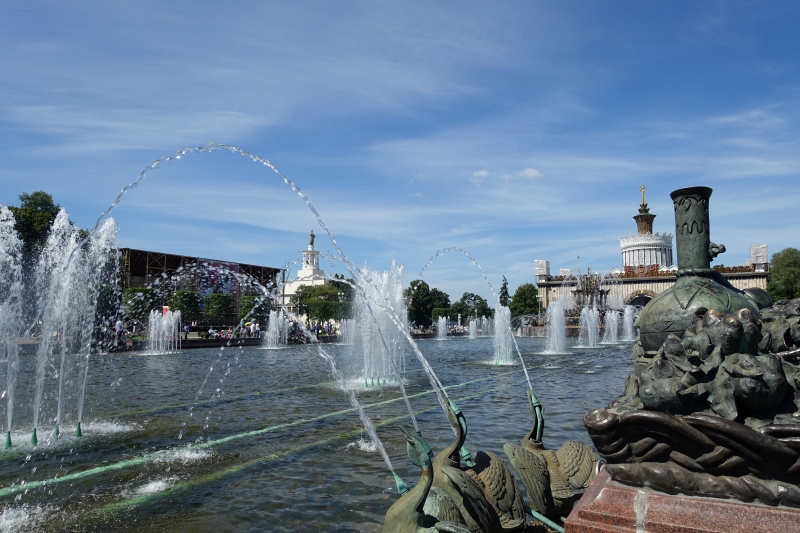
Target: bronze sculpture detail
{"x": 483, "y": 497}
{"x": 713, "y": 408}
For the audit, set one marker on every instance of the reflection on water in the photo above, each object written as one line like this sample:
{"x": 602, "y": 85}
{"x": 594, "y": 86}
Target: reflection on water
{"x": 274, "y": 443}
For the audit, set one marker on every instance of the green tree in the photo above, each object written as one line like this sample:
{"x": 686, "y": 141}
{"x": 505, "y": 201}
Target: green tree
{"x": 254, "y": 308}
{"x": 137, "y": 302}
{"x": 187, "y": 302}
{"x": 504, "y": 293}
{"x": 784, "y": 277}
{"x": 34, "y": 217}
{"x": 525, "y": 301}
{"x": 473, "y": 305}
{"x": 439, "y": 299}
{"x": 459, "y": 308}
{"x": 344, "y": 287}
{"x": 321, "y": 302}
{"x": 298, "y": 299}
{"x": 441, "y": 311}
{"x": 218, "y": 306}
{"x": 421, "y": 304}
{"x": 423, "y": 300}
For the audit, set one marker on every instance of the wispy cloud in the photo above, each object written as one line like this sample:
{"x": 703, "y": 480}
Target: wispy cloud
{"x": 518, "y": 132}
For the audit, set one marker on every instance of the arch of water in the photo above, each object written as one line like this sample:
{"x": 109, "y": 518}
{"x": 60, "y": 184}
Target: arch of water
{"x": 503, "y": 353}
{"x": 97, "y": 246}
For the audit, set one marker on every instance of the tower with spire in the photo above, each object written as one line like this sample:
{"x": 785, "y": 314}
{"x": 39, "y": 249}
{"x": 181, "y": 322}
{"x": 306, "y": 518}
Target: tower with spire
{"x": 646, "y": 249}
{"x": 309, "y": 274}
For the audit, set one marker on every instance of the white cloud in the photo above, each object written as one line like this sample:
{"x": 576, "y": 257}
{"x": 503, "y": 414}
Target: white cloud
{"x": 529, "y": 173}
{"x": 478, "y": 176}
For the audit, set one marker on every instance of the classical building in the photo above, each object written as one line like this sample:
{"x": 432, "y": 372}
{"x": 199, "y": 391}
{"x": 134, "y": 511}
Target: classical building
{"x": 646, "y": 249}
{"x": 648, "y": 269}
{"x": 309, "y": 274}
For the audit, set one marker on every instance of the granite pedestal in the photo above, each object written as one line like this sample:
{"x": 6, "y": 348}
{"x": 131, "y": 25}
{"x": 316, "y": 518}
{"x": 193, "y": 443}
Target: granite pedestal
{"x": 609, "y": 507}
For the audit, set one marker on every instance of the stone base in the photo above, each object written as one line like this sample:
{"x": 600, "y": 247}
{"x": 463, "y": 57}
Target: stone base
{"x": 608, "y": 507}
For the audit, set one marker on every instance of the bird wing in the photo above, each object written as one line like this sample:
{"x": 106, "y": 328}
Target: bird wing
{"x": 439, "y": 505}
{"x": 451, "y": 527}
{"x": 474, "y": 500}
{"x": 532, "y": 470}
{"x": 577, "y": 462}
{"x": 501, "y": 490}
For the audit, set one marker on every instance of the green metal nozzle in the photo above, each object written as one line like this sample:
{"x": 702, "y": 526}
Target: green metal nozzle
{"x": 424, "y": 445}
{"x": 402, "y": 488}
{"x": 538, "y": 415}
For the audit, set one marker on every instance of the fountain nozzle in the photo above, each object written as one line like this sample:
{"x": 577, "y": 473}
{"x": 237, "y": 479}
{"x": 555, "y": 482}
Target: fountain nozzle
{"x": 402, "y": 488}
{"x": 34, "y": 440}
{"x": 78, "y": 432}
{"x": 8, "y": 440}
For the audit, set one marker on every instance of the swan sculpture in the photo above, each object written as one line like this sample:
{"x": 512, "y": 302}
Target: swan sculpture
{"x": 552, "y": 478}
{"x": 422, "y": 509}
{"x": 485, "y": 491}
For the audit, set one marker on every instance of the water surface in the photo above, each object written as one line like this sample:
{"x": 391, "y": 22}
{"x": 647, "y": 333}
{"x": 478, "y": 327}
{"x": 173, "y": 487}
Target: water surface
{"x": 246, "y": 439}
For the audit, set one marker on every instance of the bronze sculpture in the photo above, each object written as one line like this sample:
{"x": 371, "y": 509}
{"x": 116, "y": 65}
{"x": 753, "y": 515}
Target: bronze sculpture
{"x": 553, "y": 479}
{"x": 483, "y": 496}
{"x": 713, "y": 407}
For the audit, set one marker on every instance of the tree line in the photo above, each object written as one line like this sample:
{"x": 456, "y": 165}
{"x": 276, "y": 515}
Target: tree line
{"x": 332, "y": 301}
{"x": 426, "y": 304}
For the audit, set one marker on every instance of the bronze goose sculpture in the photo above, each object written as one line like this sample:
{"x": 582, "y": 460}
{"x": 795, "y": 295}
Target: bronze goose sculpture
{"x": 552, "y": 478}
{"x": 486, "y": 493}
{"x": 422, "y": 509}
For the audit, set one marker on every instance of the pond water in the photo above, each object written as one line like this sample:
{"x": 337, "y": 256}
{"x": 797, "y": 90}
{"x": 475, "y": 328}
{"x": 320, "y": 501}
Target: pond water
{"x": 249, "y": 439}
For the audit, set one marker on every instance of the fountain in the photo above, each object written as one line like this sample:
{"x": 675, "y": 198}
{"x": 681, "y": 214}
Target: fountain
{"x": 628, "y": 329}
{"x": 485, "y": 326}
{"x": 10, "y": 307}
{"x": 377, "y": 353}
{"x": 473, "y": 328}
{"x": 277, "y": 333}
{"x": 556, "y": 329}
{"x": 441, "y": 328}
{"x": 347, "y": 331}
{"x": 160, "y": 446}
{"x": 589, "y": 291}
{"x": 589, "y": 327}
{"x": 164, "y": 331}
{"x": 52, "y": 314}
{"x": 503, "y": 340}
{"x": 611, "y": 327}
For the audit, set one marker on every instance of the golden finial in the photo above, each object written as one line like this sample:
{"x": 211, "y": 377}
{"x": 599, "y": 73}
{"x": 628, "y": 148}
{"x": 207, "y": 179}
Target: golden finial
{"x": 643, "y": 188}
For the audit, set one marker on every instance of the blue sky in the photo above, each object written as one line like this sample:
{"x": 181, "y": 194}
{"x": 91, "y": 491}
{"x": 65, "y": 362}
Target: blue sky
{"x": 513, "y": 130}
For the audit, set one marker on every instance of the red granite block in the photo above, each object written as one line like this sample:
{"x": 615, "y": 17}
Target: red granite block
{"x": 671, "y": 514}
{"x": 603, "y": 508}
{"x": 608, "y": 507}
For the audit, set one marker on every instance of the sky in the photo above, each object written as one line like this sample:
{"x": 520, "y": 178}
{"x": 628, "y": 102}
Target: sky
{"x": 513, "y": 130}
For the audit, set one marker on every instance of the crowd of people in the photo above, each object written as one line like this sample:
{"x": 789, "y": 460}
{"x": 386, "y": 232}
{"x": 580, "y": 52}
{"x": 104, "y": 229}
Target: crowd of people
{"x": 251, "y": 330}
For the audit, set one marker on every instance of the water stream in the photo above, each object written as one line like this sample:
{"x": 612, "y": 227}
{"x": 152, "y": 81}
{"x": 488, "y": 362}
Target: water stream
{"x": 147, "y": 462}
{"x": 277, "y": 448}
